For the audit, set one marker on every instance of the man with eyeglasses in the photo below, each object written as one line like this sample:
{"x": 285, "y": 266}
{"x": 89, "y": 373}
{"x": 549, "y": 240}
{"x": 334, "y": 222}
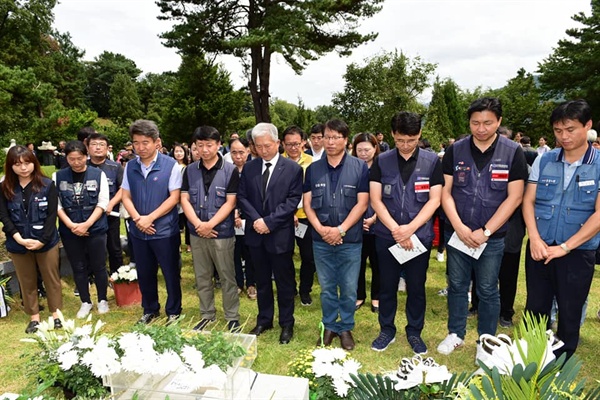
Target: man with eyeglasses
{"x": 98, "y": 150}
{"x": 484, "y": 177}
{"x": 336, "y": 195}
{"x": 316, "y": 142}
{"x": 406, "y": 190}
{"x": 294, "y": 140}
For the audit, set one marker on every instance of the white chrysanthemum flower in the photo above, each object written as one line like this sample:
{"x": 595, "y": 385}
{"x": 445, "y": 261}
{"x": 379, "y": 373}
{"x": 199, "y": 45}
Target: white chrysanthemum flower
{"x": 68, "y": 359}
{"x": 336, "y": 371}
{"x": 193, "y": 357}
{"x": 85, "y": 343}
{"x": 102, "y": 359}
{"x": 168, "y": 362}
{"x": 323, "y": 355}
{"x": 114, "y": 276}
{"x": 338, "y": 353}
{"x": 65, "y": 347}
{"x": 320, "y": 369}
{"x": 341, "y": 387}
{"x": 351, "y": 366}
{"x": 81, "y": 331}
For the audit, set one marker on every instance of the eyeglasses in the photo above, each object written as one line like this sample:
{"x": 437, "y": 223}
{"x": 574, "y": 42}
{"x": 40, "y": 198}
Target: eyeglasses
{"x": 333, "y": 138}
{"x": 292, "y": 145}
{"x": 97, "y": 144}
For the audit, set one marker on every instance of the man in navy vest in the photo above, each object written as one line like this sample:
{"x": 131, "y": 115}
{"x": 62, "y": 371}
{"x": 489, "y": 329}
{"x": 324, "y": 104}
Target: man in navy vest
{"x": 151, "y": 186}
{"x": 406, "y": 190}
{"x": 269, "y": 193}
{"x": 208, "y": 198}
{"x": 336, "y": 196}
{"x": 484, "y": 177}
{"x": 561, "y": 209}
{"x": 98, "y": 150}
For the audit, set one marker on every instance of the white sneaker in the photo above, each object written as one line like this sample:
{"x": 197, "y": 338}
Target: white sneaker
{"x": 103, "y": 307}
{"x": 402, "y": 285}
{"x": 84, "y": 310}
{"x": 440, "y": 257}
{"x": 448, "y": 345}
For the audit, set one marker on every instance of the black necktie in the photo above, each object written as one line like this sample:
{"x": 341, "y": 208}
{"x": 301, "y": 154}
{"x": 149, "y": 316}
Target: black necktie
{"x": 265, "y": 179}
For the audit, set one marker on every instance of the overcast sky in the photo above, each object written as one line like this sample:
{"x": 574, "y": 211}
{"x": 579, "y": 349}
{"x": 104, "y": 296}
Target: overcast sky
{"x": 474, "y": 42}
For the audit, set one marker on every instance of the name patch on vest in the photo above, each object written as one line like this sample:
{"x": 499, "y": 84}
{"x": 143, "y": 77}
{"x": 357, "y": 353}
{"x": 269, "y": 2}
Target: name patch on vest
{"x": 587, "y": 183}
{"x": 422, "y": 186}
{"x": 387, "y": 189}
{"x": 499, "y": 175}
{"x": 91, "y": 186}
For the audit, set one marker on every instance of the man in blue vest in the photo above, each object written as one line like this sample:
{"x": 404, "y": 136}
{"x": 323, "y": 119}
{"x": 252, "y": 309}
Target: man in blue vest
{"x": 151, "y": 186}
{"x": 484, "y": 177}
{"x": 208, "y": 199}
{"x": 336, "y": 195}
{"x": 406, "y": 190}
{"x": 561, "y": 209}
{"x": 98, "y": 149}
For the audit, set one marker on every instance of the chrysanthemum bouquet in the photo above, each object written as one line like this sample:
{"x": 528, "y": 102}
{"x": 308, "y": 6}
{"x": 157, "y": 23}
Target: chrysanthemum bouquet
{"x": 124, "y": 274}
{"x": 328, "y": 371}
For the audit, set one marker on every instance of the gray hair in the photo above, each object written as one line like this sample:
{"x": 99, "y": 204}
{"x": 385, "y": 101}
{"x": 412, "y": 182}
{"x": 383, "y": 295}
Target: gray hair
{"x": 592, "y": 135}
{"x": 263, "y": 129}
{"x": 144, "y": 127}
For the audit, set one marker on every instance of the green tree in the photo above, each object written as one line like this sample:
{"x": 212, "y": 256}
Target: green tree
{"x": 101, "y": 74}
{"x": 437, "y": 126}
{"x": 125, "y": 105}
{"x": 571, "y": 71}
{"x": 154, "y": 91}
{"x": 201, "y": 95}
{"x": 254, "y": 30}
{"x": 523, "y": 106}
{"x": 456, "y": 111}
{"x": 283, "y": 113}
{"x": 324, "y": 113}
{"x": 386, "y": 84}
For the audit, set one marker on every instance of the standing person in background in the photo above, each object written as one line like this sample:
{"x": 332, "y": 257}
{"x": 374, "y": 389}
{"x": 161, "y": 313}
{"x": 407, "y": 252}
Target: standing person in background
{"x": 180, "y": 154}
{"x": 98, "y": 149}
{"x": 336, "y": 196}
{"x": 406, "y": 188}
{"x": 562, "y": 213}
{"x": 484, "y": 177}
{"x": 244, "y": 268}
{"x": 60, "y": 160}
{"x": 294, "y": 139}
{"x": 83, "y": 196}
{"x": 316, "y": 142}
{"x": 208, "y": 197}
{"x": 110, "y": 155}
{"x": 269, "y": 193}
{"x": 151, "y": 187}
{"x": 383, "y": 146}
{"x": 543, "y": 145}
{"x": 366, "y": 148}
{"x": 28, "y": 210}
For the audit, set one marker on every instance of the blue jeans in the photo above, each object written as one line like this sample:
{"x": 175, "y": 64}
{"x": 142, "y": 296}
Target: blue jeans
{"x": 487, "y": 269}
{"x": 338, "y": 267}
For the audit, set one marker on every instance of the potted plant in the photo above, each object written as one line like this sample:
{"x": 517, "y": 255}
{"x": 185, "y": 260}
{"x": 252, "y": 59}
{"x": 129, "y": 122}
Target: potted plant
{"x": 126, "y": 287}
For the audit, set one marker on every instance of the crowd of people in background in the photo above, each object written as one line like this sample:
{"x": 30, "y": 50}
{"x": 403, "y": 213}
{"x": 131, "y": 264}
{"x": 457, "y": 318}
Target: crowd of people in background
{"x": 341, "y": 199}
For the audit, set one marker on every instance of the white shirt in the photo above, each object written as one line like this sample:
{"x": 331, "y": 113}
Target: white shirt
{"x": 273, "y": 162}
{"x": 103, "y": 194}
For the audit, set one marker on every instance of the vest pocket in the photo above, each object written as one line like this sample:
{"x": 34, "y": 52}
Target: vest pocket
{"x": 543, "y": 214}
{"x": 193, "y": 193}
{"x": 349, "y": 197}
{"x": 546, "y": 188}
{"x": 586, "y": 194}
{"x": 316, "y": 201}
{"x": 220, "y": 197}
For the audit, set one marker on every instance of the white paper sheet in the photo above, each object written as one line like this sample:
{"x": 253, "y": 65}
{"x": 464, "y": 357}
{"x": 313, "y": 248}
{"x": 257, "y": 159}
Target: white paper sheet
{"x": 459, "y": 245}
{"x": 301, "y": 230}
{"x": 402, "y": 255}
{"x": 240, "y": 231}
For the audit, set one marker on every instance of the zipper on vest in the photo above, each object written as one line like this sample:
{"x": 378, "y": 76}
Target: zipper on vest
{"x": 402, "y": 203}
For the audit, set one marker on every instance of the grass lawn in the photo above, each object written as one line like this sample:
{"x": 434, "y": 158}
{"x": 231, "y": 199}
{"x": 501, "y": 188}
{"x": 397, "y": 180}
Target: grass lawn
{"x": 273, "y": 357}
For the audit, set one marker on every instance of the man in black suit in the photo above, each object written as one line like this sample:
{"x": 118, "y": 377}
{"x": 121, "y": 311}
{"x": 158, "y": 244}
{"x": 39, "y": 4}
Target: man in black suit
{"x": 269, "y": 192}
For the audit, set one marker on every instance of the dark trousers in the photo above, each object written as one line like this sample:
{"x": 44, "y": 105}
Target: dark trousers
{"x": 368, "y": 251}
{"x": 281, "y": 266}
{"x": 129, "y": 243}
{"x": 149, "y": 255}
{"x": 242, "y": 252}
{"x": 113, "y": 244}
{"x": 389, "y": 276}
{"x": 87, "y": 255}
{"x": 307, "y": 259}
{"x": 509, "y": 274}
{"x": 569, "y": 278}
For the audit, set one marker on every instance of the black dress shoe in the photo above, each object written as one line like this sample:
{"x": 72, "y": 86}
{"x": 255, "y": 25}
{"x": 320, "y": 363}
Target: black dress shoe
{"x": 32, "y": 327}
{"x": 359, "y": 305}
{"x": 57, "y": 324}
{"x": 258, "y": 329}
{"x": 374, "y": 309}
{"x": 347, "y": 340}
{"x": 287, "y": 332}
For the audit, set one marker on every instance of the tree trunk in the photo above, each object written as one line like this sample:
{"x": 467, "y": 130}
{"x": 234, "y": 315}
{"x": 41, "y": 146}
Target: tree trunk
{"x": 259, "y": 82}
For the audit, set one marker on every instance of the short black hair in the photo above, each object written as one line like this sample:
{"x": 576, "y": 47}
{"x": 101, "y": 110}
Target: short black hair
{"x": 206, "y": 132}
{"x": 317, "y": 128}
{"x": 75, "y": 145}
{"x": 98, "y": 136}
{"x": 486, "y": 104}
{"x": 574, "y": 109}
{"x": 242, "y": 140}
{"x": 294, "y": 130}
{"x": 339, "y": 126}
{"x": 84, "y": 133}
{"x": 406, "y": 123}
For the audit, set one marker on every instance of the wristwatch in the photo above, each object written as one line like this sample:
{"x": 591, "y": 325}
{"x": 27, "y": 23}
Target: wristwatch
{"x": 486, "y": 232}
{"x": 342, "y": 232}
{"x": 565, "y": 248}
